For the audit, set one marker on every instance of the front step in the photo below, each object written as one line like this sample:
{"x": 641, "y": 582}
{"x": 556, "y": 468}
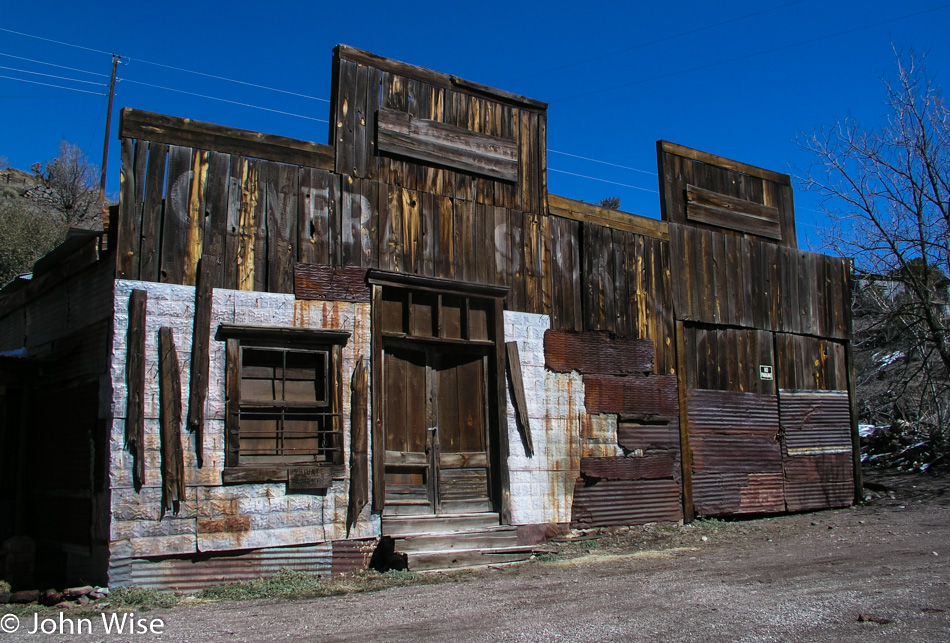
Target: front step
{"x": 438, "y": 523}
{"x": 454, "y": 541}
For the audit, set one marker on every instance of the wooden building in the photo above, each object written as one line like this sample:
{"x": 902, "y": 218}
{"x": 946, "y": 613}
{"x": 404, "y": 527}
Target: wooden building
{"x": 280, "y": 350}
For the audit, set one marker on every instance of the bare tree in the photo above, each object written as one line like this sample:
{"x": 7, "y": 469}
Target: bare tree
{"x": 71, "y": 179}
{"x": 886, "y": 190}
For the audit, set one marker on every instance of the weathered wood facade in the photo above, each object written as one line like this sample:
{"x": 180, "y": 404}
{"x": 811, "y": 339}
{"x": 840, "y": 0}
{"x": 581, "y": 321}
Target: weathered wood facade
{"x": 403, "y": 332}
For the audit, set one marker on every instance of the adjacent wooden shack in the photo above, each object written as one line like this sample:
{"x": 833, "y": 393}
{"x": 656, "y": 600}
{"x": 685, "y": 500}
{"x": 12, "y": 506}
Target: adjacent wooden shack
{"x": 280, "y": 350}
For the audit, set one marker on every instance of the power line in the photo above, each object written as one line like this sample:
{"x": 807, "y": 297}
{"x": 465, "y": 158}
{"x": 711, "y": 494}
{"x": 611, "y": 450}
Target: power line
{"x": 576, "y": 156}
{"x": 181, "y": 69}
{"x": 36, "y": 82}
{"x": 37, "y": 73}
{"x": 594, "y": 178}
{"x": 655, "y": 42}
{"x": 223, "y": 100}
{"x": 42, "y": 62}
{"x": 58, "y": 42}
{"x": 230, "y": 80}
{"x": 752, "y": 55}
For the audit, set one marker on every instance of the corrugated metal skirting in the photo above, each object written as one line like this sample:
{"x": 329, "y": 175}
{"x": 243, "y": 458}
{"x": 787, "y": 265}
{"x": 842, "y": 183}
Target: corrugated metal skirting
{"x": 203, "y": 570}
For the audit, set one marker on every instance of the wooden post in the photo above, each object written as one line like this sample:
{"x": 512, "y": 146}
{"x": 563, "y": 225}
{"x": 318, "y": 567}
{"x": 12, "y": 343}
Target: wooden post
{"x": 686, "y": 456}
{"x": 173, "y": 465}
{"x": 135, "y": 383}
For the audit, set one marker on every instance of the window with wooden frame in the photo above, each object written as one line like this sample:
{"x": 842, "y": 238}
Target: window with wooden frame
{"x": 283, "y": 393}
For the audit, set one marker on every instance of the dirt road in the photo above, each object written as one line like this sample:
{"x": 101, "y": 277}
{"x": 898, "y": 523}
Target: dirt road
{"x": 875, "y": 572}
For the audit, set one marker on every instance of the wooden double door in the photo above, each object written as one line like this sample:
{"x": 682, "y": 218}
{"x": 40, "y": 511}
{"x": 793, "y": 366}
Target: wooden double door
{"x": 436, "y": 428}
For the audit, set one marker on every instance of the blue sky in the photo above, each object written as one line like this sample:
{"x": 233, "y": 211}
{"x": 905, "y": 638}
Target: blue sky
{"x": 738, "y": 79}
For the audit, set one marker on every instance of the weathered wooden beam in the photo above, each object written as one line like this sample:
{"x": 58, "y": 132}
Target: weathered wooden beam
{"x": 135, "y": 384}
{"x": 173, "y": 463}
{"x": 579, "y": 211}
{"x": 445, "y": 81}
{"x": 209, "y": 270}
{"x": 447, "y": 145}
{"x": 706, "y": 206}
{"x": 325, "y": 283}
{"x": 142, "y": 125}
{"x": 686, "y": 454}
{"x": 719, "y": 161}
{"x": 516, "y": 382}
{"x": 596, "y": 352}
{"x": 359, "y": 444}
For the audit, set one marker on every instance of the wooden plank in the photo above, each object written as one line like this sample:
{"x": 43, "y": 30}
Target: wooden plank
{"x": 350, "y": 221}
{"x": 447, "y": 145}
{"x": 528, "y": 177}
{"x": 415, "y": 109}
{"x": 719, "y": 161}
{"x": 209, "y": 270}
{"x": 369, "y": 221}
{"x": 430, "y": 234}
{"x": 281, "y": 227}
{"x": 250, "y": 212}
{"x": 412, "y": 230}
{"x": 686, "y": 455}
{"x": 397, "y": 247}
{"x": 500, "y": 481}
{"x": 186, "y": 132}
{"x": 465, "y": 248}
{"x": 733, "y": 221}
{"x": 579, "y": 211}
{"x": 172, "y": 458}
{"x": 135, "y": 384}
{"x": 446, "y": 81}
{"x": 194, "y": 237}
{"x": 359, "y": 444}
{"x": 175, "y": 220}
{"x": 516, "y": 277}
{"x": 361, "y": 133}
{"x": 499, "y": 246}
{"x": 312, "y": 214}
{"x": 217, "y": 204}
{"x": 445, "y": 244}
{"x": 229, "y": 257}
{"x": 516, "y": 382}
{"x": 130, "y": 217}
{"x": 379, "y": 398}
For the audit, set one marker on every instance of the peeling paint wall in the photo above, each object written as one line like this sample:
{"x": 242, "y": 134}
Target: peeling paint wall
{"x": 542, "y": 486}
{"x": 216, "y": 517}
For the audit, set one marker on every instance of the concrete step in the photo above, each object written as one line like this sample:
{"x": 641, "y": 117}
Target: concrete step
{"x": 406, "y": 525}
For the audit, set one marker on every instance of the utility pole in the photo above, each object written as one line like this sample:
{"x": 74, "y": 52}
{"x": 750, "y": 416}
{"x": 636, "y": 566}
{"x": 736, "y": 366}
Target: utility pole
{"x": 105, "y": 145}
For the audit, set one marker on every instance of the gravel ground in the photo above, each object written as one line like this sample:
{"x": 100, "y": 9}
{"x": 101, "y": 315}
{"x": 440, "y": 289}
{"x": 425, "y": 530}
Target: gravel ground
{"x": 874, "y": 572}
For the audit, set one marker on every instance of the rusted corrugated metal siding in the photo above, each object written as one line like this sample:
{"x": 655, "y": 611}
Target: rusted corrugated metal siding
{"x": 626, "y": 502}
{"x": 736, "y": 455}
{"x": 191, "y": 573}
{"x": 349, "y": 555}
{"x": 632, "y": 436}
{"x": 818, "y": 481}
{"x": 816, "y": 420}
{"x": 738, "y": 493}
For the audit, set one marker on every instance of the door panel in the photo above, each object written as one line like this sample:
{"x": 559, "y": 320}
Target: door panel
{"x": 446, "y": 469}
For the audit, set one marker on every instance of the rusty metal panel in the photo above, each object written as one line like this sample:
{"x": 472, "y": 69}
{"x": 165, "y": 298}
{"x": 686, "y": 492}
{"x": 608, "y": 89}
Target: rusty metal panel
{"x": 816, "y": 422}
{"x": 653, "y": 465}
{"x": 350, "y": 555}
{"x": 597, "y": 352}
{"x": 732, "y": 412}
{"x": 714, "y": 453}
{"x": 188, "y": 573}
{"x": 626, "y": 502}
{"x": 632, "y": 436}
{"x": 738, "y": 493}
{"x": 634, "y": 395}
{"x": 819, "y": 481}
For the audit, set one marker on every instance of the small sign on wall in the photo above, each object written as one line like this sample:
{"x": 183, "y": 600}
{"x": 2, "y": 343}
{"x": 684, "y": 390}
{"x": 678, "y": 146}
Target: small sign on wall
{"x": 309, "y": 480}
{"x": 765, "y": 372}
